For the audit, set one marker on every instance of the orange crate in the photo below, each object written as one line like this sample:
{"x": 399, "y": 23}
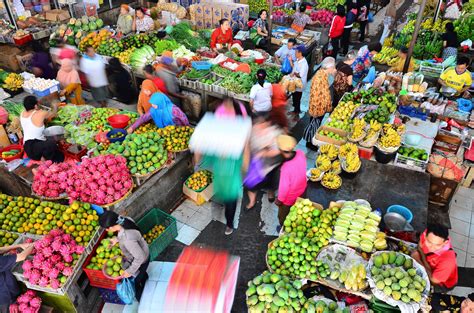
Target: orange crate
{"x": 97, "y": 277}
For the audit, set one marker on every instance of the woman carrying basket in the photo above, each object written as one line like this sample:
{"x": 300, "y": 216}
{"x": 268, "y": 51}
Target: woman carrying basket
{"x": 136, "y": 255}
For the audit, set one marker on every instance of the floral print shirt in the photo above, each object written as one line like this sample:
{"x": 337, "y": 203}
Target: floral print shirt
{"x": 259, "y": 23}
{"x": 145, "y": 24}
{"x": 319, "y": 97}
{"x": 361, "y": 65}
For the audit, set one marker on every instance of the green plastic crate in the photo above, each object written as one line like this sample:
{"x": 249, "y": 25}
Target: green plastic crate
{"x": 158, "y": 217}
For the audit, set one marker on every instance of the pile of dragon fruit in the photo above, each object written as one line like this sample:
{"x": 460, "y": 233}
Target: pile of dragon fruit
{"x": 323, "y": 16}
{"x": 28, "y": 302}
{"x": 50, "y": 179}
{"x": 100, "y": 180}
{"x": 53, "y": 258}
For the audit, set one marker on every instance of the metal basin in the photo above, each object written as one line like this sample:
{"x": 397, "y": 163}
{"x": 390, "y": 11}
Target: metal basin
{"x": 55, "y": 133}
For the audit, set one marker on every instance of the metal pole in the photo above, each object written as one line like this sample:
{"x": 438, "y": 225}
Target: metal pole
{"x": 415, "y": 35}
{"x": 270, "y": 23}
{"x": 437, "y": 10}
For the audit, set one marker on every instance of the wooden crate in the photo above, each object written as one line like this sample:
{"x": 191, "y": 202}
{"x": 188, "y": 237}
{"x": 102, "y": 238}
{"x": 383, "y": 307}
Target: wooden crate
{"x": 447, "y": 143}
{"x": 441, "y": 190}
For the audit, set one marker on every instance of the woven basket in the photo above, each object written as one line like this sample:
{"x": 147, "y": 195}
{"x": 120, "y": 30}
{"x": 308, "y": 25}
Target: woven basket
{"x": 62, "y": 197}
{"x": 362, "y": 136}
{"x": 343, "y": 165}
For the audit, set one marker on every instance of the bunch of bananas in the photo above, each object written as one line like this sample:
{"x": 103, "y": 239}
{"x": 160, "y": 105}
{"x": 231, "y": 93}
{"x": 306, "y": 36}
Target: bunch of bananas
{"x": 352, "y": 163}
{"x": 399, "y": 128}
{"x": 331, "y": 180}
{"x": 124, "y": 56}
{"x": 387, "y": 54}
{"x": 357, "y": 129}
{"x": 347, "y": 148}
{"x": 374, "y": 128}
{"x": 409, "y": 27}
{"x": 13, "y": 82}
{"x": 323, "y": 162}
{"x": 330, "y": 150}
{"x": 388, "y": 42}
{"x": 390, "y": 139}
{"x": 336, "y": 166}
{"x": 315, "y": 174}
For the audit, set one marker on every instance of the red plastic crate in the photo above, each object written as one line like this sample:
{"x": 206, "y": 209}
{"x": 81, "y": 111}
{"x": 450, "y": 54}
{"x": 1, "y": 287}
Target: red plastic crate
{"x": 65, "y": 149}
{"x": 97, "y": 277}
{"x": 23, "y": 40}
{"x": 365, "y": 153}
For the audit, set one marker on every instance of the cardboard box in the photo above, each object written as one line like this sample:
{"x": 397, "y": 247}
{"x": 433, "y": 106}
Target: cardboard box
{"x": 56, "y": 15}
{"x": 208, "y": 24}
{"x": 8, "y": 57}
{"x": 237, "y": 14}
{"x": 200, "y": 24}
{"x": 24, "y": 60}
{"x": 216, "y": 13}
{"x": 199, "y": 197}
{"x": 207, "y": 12}
{"x": 199, "y": 12}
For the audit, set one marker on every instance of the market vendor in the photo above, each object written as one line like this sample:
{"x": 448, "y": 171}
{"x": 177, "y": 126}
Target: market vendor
{"x": 458, "y": 77}
{"x": 301, "y": 19}
{"x": 125, "y": 20}
{"x": 163, "y": 113}
{"x": 167, "y": 73}
{"x": 70, "y": 83}
{"x": 136, "y": 255}
{"x": 363, "y": 61}
{"x": 142, "y": 23}
{"x": 259, "y": 31}
{"x": 450, "y": 42}
{"x": 286, "y": 51}
{"x": 437, "y": 256}
{"x": 120, "y": 82}
{"x": 9, "y": 289}
{"x": 36, "y": 146}
{"x": 41, "y": 64}
{"x": 221, "y": 38}
{"x": 402, "y": 56}
{"x": 261, "y": 95}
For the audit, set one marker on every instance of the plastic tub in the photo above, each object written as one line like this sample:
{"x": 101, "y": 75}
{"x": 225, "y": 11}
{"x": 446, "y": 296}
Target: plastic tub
{"x": 259, "y": 61}
{"x": 383, "y": 157}
{"x": 13, "y": 157}
{"x": 116, "y": 131}
{"x": 119, "y": 120}
{"x": 55, "y": 133}
{"x": 403, "y": 211}
{"x": 201, "y": 65}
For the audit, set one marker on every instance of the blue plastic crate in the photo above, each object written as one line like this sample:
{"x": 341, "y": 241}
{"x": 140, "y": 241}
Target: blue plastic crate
{"x": 422, "y": 114}
{"x": 46, "y": 92}
{"x": 201, "y": 65}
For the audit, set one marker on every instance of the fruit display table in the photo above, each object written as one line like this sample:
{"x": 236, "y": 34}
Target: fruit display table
{"x": 382, "y": 185}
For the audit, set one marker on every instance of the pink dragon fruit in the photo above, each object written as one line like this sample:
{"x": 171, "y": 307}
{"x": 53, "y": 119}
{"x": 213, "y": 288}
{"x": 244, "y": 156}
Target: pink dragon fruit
{"x": 127, "y": 184}
{"x": 79, "y": 249}
{"x": 23, "y": 299}
{"x": 43, "y": 282}
{"x": 68, "y": 258}
{"x": 14, "y": 307}
{"x": 30, "y": 293}
{"x": 46, "y": 266}
{"x": 27, "y": 274}
{"x": 35, "y": 302}
{"x": 47, "y": 251}
{"x": 27, "y": 265}
{"x": 23, "y": 307}
{"x": 54, "y": 283}
{"x": 65, "y": 249}
{"x": 67, "y": 271}
{"x": 60, "y": 266}
{"x": 56, "y": 245}
{"x": 53, "y": 273}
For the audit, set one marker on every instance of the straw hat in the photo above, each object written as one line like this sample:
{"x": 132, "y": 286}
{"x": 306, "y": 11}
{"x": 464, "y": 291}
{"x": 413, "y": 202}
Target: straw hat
{"x": 286, "y": 143}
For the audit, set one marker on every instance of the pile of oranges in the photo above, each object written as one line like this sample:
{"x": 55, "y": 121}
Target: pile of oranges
{"x": 94, "y": 39}
{"x": 199, "y": 180}
{"x": 154, "y": 233}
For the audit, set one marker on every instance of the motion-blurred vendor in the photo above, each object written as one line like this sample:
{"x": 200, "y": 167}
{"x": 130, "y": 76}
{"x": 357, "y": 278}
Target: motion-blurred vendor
{"x": 221, "y": 38}
{"x": 36, "y": 146}
{"x": 438, "y": 258}
{"x": 402, "y": 56}
{"x": 458, "y": 77}
{"x": 8, "y": 285}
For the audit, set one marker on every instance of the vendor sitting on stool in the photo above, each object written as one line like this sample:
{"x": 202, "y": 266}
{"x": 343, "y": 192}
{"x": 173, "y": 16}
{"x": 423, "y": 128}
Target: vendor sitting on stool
{"x": 133, "y": 245}
{"x": 37, "y": 147}
{"x": 458, "y": 78}
{"x": 437, "y": 256}
{"x": 221, "y": 38}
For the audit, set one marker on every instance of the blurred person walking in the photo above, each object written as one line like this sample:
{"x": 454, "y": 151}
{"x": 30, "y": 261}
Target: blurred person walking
{"x": 292, "y": 183}
{"x": 120, "y": 82}
{"x": 319, "y": 99}
{"x": 93, "y": 66}
{"x": 351, "y": 17}
{"x": 168, "y": 75}
{"x": 389, "y": 20}
{"x": 278, "y": 112}
{"x": 228, "y": 170}
{"x": 70, "y": 82}
{"x": 300, "y": 70}
{"x": 265, "y": 160}
{"x": 41, "y": 64}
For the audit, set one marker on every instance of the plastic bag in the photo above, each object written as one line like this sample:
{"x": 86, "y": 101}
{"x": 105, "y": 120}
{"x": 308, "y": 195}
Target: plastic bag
{"x": 126, "y": 290}
{"x": 254, "y": 174}
{"x": 286, "y": 66}
{"x": 467, "y": 42}
{"x": 370, "y": 76}
{"x": 370, "y": 17}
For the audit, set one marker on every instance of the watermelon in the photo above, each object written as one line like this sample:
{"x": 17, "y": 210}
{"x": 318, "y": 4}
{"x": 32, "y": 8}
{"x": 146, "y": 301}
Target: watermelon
{"x": 85, "y": 28}
{"x": 92, "y": 18}
{"x": 92, "y": 26}
{"x": 78, "y": 23}
{"x": 69, "y": 32}
{"x": 84, "y": 19}
{"x": 99, "y": 23}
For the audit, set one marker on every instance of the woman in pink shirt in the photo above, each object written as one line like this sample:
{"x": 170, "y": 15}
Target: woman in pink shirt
{"x": 292, "y": 176}
{"x": 231, "y": 108}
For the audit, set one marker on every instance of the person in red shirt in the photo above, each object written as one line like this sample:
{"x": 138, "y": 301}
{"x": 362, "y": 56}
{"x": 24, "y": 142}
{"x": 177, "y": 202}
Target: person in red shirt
{"x": 278, "y": 112}
{"x": 437, "y": 256}
{"x": 337, "y": 29}
{"x": 221, "y": 37}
